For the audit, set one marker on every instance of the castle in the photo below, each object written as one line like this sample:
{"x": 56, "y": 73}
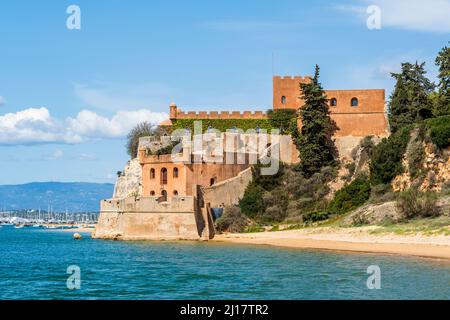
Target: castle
{"x": 159, "y": 198}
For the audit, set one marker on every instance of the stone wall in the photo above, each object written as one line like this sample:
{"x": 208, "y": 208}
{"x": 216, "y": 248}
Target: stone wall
{"x": 147, "y": 218}
{"x": 227, "y": 192}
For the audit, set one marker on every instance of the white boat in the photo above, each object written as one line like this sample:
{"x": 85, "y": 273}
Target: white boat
{"x": 19, "y": 226}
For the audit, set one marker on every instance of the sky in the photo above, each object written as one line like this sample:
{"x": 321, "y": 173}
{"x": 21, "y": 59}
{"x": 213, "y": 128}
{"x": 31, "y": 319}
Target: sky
{"x": 68, "y": 97}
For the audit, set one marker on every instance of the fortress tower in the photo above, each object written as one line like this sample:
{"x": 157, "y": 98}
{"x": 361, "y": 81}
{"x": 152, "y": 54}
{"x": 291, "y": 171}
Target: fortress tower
{"x": 356, "y": 112}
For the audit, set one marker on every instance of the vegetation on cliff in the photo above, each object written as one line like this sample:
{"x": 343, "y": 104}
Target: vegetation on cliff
{"x": 416, "y": 151}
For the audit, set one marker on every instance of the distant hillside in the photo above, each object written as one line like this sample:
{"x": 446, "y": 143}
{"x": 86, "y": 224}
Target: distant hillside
{"x": 76, "y": 197}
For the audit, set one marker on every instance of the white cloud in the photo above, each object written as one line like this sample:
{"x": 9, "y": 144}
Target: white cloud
{"x": 37, "y": 126}
{"x": 34, "y": 125}
{"x": 2, "y": 101}
{"x": 419, "y": 15}
{"x": 111, "y": 176}
{"x": 91, "y": 125}
{"x": 57, "y": 154}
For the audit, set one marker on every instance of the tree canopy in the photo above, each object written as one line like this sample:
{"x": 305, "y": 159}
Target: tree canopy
{"x": 314, "y": 140}
{"x": 410, "y": 101}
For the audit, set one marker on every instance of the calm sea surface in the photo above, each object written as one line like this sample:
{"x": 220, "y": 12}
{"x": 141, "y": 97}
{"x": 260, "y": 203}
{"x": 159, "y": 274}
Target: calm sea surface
{"x": 33, "y": 265}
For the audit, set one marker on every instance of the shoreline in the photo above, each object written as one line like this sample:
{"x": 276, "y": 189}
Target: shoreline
{"x": 350, "y": 240}
{"x": 356, "y": 240}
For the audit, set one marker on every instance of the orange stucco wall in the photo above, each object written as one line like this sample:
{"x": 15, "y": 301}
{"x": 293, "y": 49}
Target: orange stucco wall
{"x": 367, "y": 118}
{"x": 188, "y": 174}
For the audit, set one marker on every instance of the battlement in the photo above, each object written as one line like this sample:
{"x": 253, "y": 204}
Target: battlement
{"x": 176, "y": 113}
{"x": 293, "y": 78}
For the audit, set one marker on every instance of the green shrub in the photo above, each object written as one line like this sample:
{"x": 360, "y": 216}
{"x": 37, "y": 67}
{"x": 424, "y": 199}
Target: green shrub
{"x": 413, "y": 203}
{"x": 254, "y": 228}
{"x": 252, "y": 203}
{"x": 315, "y": 216}
{"x": 439, "y": 129}
{"x": 350, "y": 197}
{"x": 386, "y": 157}
{"x": 276, "y": 203}
{"x": 381, "y": 193}
{"x": 267, "y": 182}
{"x": 415, "y": 157}
{"x": 232, "y": 220}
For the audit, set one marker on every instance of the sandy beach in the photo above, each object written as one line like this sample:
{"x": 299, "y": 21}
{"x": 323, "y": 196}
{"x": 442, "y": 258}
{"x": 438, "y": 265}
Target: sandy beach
{"x": 350, "y": 240}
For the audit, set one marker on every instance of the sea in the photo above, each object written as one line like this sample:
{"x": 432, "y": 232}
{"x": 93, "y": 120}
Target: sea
{"x": 41, "y": 264}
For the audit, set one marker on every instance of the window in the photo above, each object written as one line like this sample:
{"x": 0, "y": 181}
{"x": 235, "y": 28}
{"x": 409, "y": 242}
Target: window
{"x": 152, "y": 173}
{"x": 283, "y": 100}
{"x": 152, "y": 193}
{"x": 164, "y": 195}
{"x": 355, "y": 102}
{"x": 333, "y": 102}
{"x": 175, "y": 172}
{"x": 175, "y": 192}
{"x": 212, "y": 181}
{"x": 163, "y": 176}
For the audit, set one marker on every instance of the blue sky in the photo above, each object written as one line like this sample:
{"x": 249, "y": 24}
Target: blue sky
{"x": 68, "y": 97}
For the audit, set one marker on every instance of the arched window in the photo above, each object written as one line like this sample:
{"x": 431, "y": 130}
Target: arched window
{"x": 163, "y": 176}
{"x": 152, "y": 173}
{"x": 175, "y": 192}
{"x": 164, "y": 195}
{"x": 283, "y": 100}
{"x": 175, "y": 172}
{"x": 212, "y": 181}
{"x": 152, "y": 193}
{"x": 355, "y": 102}
{"x": 333, "y": 102}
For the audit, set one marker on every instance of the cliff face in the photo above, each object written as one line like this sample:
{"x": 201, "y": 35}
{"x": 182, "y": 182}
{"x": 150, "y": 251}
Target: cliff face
{"x": 129, "y": 183}
{"x": 434, "y": 169}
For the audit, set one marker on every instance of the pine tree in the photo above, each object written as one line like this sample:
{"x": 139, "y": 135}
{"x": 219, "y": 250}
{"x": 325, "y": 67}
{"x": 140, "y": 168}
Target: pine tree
{"x": 315, "y": 142}
{"x": 442, "y": 106}
{"x": 410, "y": 100}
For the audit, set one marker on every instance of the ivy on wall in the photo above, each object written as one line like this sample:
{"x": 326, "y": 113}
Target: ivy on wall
{"x": 281, "y": 119}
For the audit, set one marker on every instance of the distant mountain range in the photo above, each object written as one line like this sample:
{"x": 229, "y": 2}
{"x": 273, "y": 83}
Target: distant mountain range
{"x": 75, "y": 197}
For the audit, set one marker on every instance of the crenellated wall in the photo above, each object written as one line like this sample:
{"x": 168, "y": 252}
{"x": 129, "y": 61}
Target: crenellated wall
{"x": 176, "y": 113}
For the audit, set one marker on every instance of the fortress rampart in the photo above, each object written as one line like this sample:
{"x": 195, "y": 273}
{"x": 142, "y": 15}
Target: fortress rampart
{"x": 174, "y": 200}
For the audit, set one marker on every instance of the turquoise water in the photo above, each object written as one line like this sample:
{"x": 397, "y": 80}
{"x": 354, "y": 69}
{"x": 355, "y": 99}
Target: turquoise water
{"x": 33, "y": 265}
